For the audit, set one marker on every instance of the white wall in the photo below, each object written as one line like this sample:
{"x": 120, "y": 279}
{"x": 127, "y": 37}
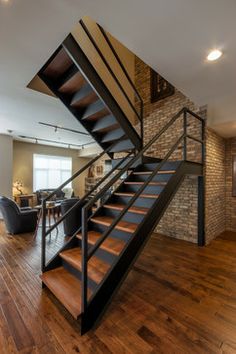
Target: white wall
{"x": 6, "y": 163}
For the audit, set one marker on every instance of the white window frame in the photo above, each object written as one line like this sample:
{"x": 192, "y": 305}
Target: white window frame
{"x": 61, "y": 158}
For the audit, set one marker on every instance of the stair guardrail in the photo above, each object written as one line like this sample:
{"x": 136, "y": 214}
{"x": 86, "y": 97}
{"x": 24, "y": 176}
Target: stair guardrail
{"x": 137, "y": 94}
{"x": 88, "y": 253}
{"x": 46, "y": 232}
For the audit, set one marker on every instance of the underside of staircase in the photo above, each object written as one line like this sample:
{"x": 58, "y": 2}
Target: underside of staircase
{"x": 88, "y": 270}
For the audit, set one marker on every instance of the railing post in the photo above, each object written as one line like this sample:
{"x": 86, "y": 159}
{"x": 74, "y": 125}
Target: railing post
{"x": 142, "y": 132}
{"x": 203, "y": 139}
{"x": 201, "y": 212}
{"x": 84, "y": 219}
{"x": 43, "y": 241}
{"x": 185, "y": 135}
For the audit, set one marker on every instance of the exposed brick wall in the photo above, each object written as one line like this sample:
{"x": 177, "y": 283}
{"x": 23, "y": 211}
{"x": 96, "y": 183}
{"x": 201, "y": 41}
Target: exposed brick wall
{"x": 215, "y": 221}
{"x": 180, "y": 219}
{"x": 230, "y": 200}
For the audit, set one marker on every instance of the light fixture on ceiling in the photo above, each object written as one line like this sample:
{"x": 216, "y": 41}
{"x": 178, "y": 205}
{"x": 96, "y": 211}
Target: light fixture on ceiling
{"x": 214, "y": 55}
{"x": 36, "y": 140}
{"x": 60, "y": 127}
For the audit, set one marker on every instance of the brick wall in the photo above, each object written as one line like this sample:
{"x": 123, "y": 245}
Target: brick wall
{"x": 215, "y": 201}
{"x": 230, "y": 200}
{"x": 180, "y": 219}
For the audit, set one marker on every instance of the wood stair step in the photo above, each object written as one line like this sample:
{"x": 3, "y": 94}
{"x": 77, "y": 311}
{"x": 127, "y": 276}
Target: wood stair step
{"x": 123, "y": 145}
{"x": 105, "y": 124}
{"x": 66, "y": 287}
{"x": 96, "y": 267}
{"x": 162, "y": 172}
{"x": 95, "y": 111}
{"x": 84, "y": 97}
{"x": 121, "y": 225}
{"x": 73, "y": 83}
{"x": 128, "y": 194}
{"x": 113, "y": 135}
{"x": 111, "y": 245}
{"x": 149, "y": 184}
{"x": 117, "y": 206}
{"x": 58, "y": 65}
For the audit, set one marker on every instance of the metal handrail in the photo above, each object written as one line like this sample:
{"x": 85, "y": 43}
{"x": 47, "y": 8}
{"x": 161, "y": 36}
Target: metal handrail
{"x": 133, "y": 199}
{"x": 120, "y": 62}
{"x": 79, "y": 202}
{"x": 127, "y": 76}
{"x": 108, "y": 66}
{"x": 77, "y": 174}
{"x": 135, "y": 158}
{"x": 87, "y": 254}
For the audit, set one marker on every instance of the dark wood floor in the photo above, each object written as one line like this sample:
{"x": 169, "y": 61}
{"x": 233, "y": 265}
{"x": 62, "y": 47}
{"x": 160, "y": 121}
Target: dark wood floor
{"x": 178, "y": 299}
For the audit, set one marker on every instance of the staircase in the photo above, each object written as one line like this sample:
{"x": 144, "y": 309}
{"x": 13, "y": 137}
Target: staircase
{"x": 72, "y": 78}
{"x": 88, "y": 270}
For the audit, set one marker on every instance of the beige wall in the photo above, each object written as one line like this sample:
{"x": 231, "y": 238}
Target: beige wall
{"x": 23, "y": 164}
{"x": 5, "y": 165}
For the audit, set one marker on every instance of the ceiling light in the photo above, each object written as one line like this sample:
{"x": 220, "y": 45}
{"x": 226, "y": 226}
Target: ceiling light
{"x": 214, "y": 55}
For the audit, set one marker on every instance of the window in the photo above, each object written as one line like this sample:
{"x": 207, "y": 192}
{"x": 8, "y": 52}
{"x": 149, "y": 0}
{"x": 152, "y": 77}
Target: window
{"x": 51, "y": 171}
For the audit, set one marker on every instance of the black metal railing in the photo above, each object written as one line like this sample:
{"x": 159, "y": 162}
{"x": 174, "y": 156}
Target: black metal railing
{"x": 109, "y": 180}
{"x": 138, "y": 97}
{"x": 88, "y": 253}
{"x": 46, "y": 231}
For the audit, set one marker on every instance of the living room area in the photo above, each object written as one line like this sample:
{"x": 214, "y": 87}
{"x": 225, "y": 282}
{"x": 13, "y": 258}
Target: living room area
{"x": 31, "y": 172}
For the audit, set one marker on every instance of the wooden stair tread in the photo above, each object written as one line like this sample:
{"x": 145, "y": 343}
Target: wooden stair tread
{"x": 133, "y": 209}
{"x": 73, "y": 84}
{"x": 66, "y": 288}
{"x": 96, "y": 267}
{"x": 128, "y": 194}
{"x": 84, "y": 97}
{"x": 112, "y": 245}
{"x": 149, "y": 184}
{"x": 121, "y": 225}
{"x": 95, "y": 111}
{"x": 162, "y": 172}
{"x": 58, "y": 65}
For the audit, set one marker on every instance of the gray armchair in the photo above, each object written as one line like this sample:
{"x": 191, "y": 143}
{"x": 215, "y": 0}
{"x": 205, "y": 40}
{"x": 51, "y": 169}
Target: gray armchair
{"x": 17, "y": 220}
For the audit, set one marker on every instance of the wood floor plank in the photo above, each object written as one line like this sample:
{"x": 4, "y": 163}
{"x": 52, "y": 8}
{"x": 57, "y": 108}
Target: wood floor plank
{"x": 178, "y": 298}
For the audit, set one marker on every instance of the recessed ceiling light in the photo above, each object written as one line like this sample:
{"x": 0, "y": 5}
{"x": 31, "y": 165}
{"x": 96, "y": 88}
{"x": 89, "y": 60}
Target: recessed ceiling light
{"x": 214, "y": 55}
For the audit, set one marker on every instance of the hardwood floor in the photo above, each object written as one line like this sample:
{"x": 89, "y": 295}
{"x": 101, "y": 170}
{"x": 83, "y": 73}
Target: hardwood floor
{"x": 177, "y": 299}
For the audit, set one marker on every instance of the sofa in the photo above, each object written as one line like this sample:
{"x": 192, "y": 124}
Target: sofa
{"x": 73, "y": 221}
{"x": 17, "y": 220}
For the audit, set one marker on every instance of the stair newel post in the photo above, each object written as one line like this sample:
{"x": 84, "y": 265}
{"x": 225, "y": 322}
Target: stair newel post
{"x": 84, "y": 257}
{"x": 185, "y": 135}
{"x": 141, "y": 122}
{"x": 43, "y": 241}
{"x": 203, "y": 139}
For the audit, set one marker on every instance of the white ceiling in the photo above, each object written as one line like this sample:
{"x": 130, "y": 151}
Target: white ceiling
{"x": 173, "y": 37}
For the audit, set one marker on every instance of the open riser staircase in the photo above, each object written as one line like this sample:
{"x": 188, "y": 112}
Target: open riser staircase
{"x": 88, "y": 270}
